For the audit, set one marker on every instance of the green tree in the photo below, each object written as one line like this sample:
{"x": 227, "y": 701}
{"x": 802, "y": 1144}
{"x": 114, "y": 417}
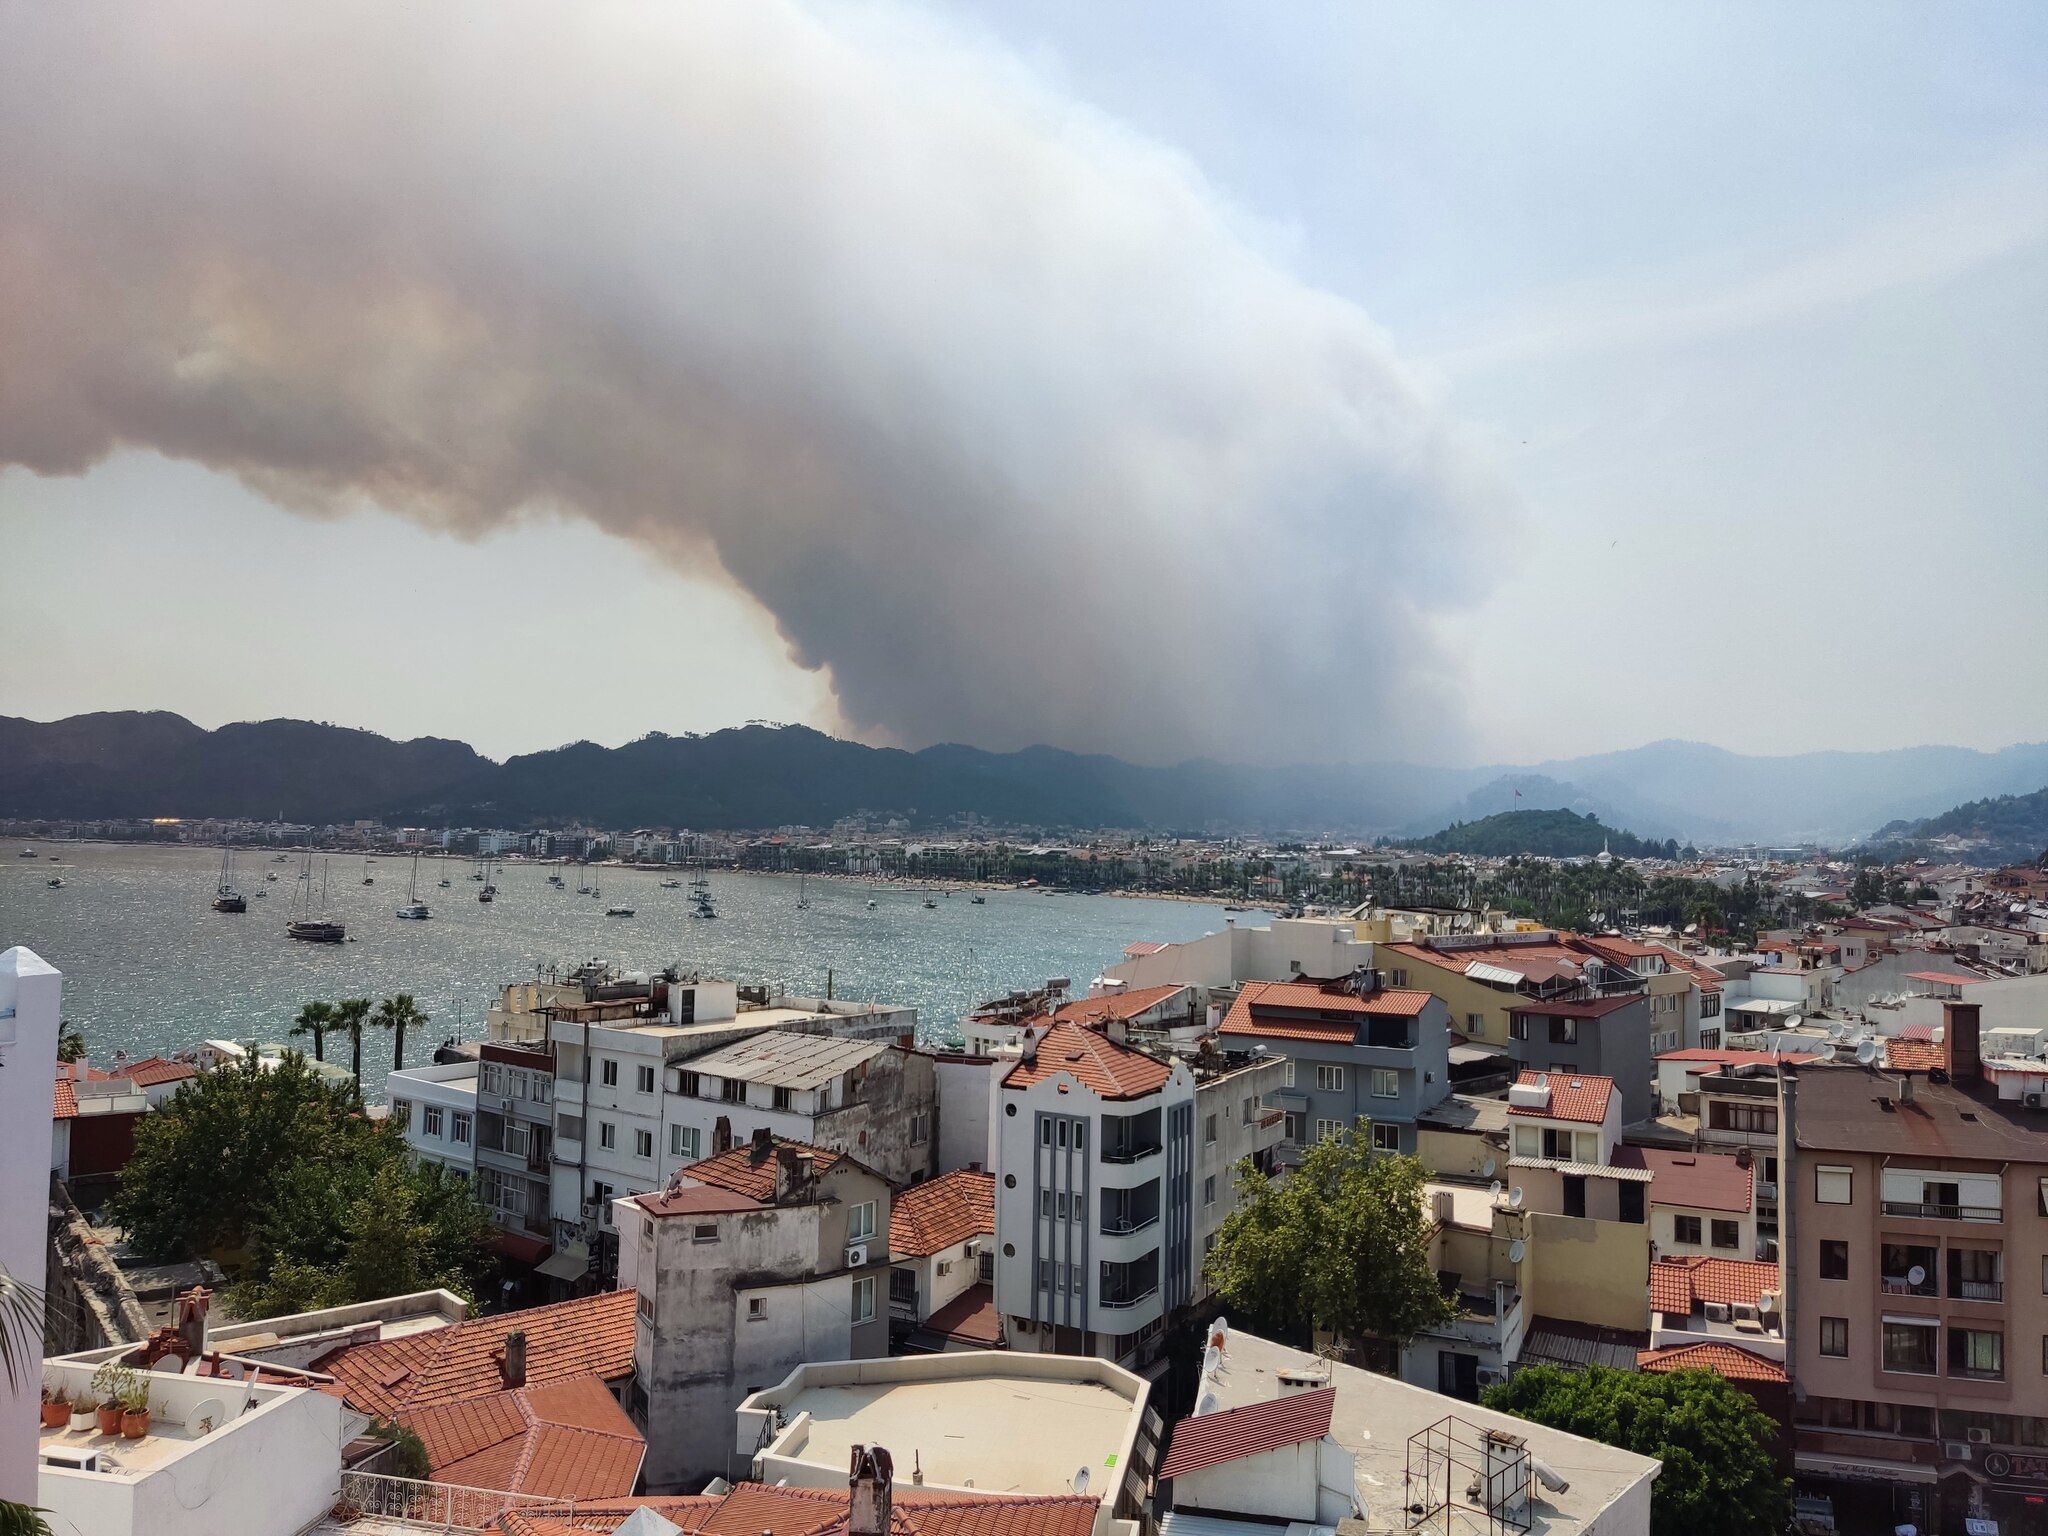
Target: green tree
{"x": 398, "y": 1014}
{"x": 353, "y": 1015}
{"x": 1719, "y": 1477}
{"x": 315, "y": 1019}
{"x": 1342, "y": 1245}
{"x": 70, "y": 1042}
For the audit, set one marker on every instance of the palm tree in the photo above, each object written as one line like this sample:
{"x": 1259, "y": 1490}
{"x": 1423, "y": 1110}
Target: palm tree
{"x": 315, "y": 1019}
{"x": 21, "y": 1341}
{"x": 398, "y": 1014}
{"x": 351, "y": 1014}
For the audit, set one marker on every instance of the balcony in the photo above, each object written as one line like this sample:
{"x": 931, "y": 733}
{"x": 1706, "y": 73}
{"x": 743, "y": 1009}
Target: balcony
{"x": 1130, "y": 1285}
{"x": 1125, "y": 1211}
{"x": 1117, "y": 1300}
{"x": 1923, "y": 1210}
{"x": 1120, "y": 1153}
{"x": 1976, "y": 1290}
{"x": 1900, "y": 1285}
{"x": 1127, "y": 1138}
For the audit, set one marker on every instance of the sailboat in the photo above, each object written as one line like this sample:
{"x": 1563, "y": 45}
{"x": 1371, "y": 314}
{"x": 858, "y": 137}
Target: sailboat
{"x": 702, "y": 898}
{"x": 311, "y": 929}
{"x": 225, "y": 897}
{"x": 368, "y": 878}
{"x": 490, "y": 891}
{"x": 803, "y": 902}
{"x": 415, "y": 908}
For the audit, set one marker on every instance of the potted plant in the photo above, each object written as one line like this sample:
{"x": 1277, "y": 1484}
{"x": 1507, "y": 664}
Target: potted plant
{"x": 56, "y": 1406}
{"x": 82, "y": 1409}
{"x": 135, "y": 1409}
{"x": 111, "y": 1384}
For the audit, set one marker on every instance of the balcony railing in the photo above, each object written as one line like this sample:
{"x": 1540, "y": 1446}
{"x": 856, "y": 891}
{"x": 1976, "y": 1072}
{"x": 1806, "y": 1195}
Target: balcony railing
{"x": 406, "y": 1501}
{"x": 1124, "y": 1226}
{"x": 1932, "y": 1212}
{"x": 1131, "y": 1153}
{"x": 1899, "y": 1285}
{"x": 1975, "y": 1373}
{"x": 1976, "y": 1290}
{"x": 1116, "y": 1301}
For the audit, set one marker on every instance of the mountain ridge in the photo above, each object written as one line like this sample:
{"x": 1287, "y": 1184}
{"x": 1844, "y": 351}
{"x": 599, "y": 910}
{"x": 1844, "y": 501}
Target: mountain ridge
{"x": 151, "y": 763}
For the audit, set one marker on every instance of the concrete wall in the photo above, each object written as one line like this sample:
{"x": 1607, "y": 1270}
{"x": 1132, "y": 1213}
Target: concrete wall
{"x": 1274, "y": 1485}
{"x": 31, "y": 1004}
{"x": 1615, "y": 1045}
{"x": 961, "y": 1086}
{"x": 1423, "y": 1077}
{"x": 1663, "y": 1223}
{"x": 1588, "y": 1271}
{"x": 1236, "y": 1139}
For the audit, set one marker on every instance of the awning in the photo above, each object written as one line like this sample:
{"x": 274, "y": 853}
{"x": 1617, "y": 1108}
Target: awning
{"x": 520, "y": 1248}
{"x": 566, "y": 1265}
{"x": 1864, "y": 1471}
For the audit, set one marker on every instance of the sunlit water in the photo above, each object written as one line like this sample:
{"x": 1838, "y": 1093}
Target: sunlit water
{"x": 149, "y": 967}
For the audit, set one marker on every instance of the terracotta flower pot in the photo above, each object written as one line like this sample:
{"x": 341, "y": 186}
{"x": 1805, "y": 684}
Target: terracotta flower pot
{"x": 134, "y": 1423}
{"x": 110, "y": 1418}
{"x": 57, "y": 1415}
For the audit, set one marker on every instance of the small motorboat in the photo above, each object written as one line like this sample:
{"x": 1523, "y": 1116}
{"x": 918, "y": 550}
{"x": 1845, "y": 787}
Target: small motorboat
{"x": 978, "y": 901}
{"x": 618, "y": 911}
{"x": 871, "y": 904}
{"x": 671, "y": 885}
{"x": 415, "y": 910}
{"x": 54, "y": 881}
{"x": 930, "y": 905}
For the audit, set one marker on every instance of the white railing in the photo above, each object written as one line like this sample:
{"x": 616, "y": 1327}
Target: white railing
{"x": 433, "y": 1506}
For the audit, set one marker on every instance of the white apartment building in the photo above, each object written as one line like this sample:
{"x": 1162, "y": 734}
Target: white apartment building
{"x": 436, "y": 1108}
{"x": 31, "y": 1006}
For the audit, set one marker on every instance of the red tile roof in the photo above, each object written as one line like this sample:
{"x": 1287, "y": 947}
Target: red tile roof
{"x": 970, "y": 1317}
{"x": 1298, "y": 1010}
{"x": 1739, "y": 1058}
{"x": 567, "y": 1440}
{"x": 1539, "y": 962}
{"x": 1579, "y": 1098}
{"x": 1913, "y": 1055}
{"x": 746, "y": 1170}
{"x": 696, "y": 1200}
{"x": 152, "y": 1070}
{"x": 1675, "y": 1284}
{"x": 1946, "y": 978}
{"x": 1121, "y": 1005}
{"x": 66, "y": 1106}
{"x": 1704, "y": 976}
{"x": 1098, "y": 1062}
{"x": 591, "y": 1336}
{"x": 1725, "y": 1360}
{"x": 1210, "y": 1439}
{"x": 752, "y": 1508}
{"x": 931, "y": 1217}
{"x": 1706, "y": 1181}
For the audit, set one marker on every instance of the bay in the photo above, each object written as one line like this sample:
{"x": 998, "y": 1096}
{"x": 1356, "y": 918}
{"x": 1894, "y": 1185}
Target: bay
{"x": 149, "y": 967}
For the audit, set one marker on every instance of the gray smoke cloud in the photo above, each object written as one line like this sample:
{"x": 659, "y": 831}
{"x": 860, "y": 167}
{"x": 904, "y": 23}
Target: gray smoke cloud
{"x": 1004, "y": 415}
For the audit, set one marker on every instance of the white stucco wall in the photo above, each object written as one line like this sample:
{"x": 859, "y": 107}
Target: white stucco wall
{"x": 963, "y": 1102}
{"x": 31, "y": 1004}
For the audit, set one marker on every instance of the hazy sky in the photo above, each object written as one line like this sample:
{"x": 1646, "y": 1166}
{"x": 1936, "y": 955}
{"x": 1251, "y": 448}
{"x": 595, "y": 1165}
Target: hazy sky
{"x": 1441, "y": 382}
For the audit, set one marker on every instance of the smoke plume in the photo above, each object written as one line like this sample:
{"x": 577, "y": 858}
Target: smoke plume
{"x": 1002, "y": 413}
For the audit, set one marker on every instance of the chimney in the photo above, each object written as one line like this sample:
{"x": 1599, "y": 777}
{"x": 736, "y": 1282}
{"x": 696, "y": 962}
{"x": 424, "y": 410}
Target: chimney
{"x": 762, "y": 1147}
{"x": 1959, "y": 1030}
{"x": 871, "y": 1485}
{"x": 1906, "y": 1089}
{"x": 192, "y": 1310}
{"x": 1443, "y": 1207}
{"x": 792, "y": 1173}
{"x": 515, "y": 1358}
{"x": 721, "y": 1135}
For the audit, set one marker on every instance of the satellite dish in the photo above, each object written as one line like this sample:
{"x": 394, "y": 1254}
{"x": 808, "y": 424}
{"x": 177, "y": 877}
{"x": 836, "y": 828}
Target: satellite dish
{"x": 1211, "y": 1358}
{"x": 1493, "y": 1190}
{"x": 1767, "y": 1302}
{"x": 1866, "y": 1052}
{"x": 1515, "y": 1198}
{"x": 1515, "y": 1251}
{"x": 206, "y": 1415}
{"x": 1916, "y": 1276}
{"x": 1486, "y": 1169}
{"x": 1207, "y": 1405}
{"x": 1080, "y": 1482}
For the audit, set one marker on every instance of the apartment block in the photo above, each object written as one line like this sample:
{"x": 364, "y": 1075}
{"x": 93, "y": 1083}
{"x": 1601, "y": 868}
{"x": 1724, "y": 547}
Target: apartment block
{"x": 515, "y": 1135}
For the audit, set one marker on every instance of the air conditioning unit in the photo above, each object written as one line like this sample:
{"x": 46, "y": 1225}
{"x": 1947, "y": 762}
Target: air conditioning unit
{"x": 1954, "y": 1450}
{"x": 2033, "y": 1101}
{"x": 1717, "y": 1311}
{"x": 1488, "y": 1377}
{"x": 1977, "y": 1436}
{"x": 856, "y": 1255}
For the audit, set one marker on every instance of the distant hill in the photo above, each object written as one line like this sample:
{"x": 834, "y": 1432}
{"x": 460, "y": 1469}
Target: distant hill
{"x": 2014, "y": 828}
{"x": 157, "y": 764}
{"x": 1553, "y": 834}
{"x": 136, "y": 764}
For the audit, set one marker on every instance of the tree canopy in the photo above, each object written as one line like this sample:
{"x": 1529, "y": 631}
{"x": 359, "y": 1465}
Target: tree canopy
{"x": 280, "y": 1171}
{"x": 1342, "y": 1244}
{"x": 1553, "y": 833}
{"x": 1720, "y": 1477}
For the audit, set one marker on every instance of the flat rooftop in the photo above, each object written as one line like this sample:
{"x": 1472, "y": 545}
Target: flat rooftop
{"x": 993, "y": 1421}
{"x": 786, "y": 1059}
{"x": 1375, "y": 1415}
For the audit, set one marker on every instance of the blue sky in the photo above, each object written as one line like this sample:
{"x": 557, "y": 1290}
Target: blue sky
{"x": 1724, "y": 328}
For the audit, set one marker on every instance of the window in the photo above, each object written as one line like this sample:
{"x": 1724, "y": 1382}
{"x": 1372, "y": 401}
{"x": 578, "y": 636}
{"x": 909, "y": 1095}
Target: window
{"x": 643, "y": 1078}
{"x": 1209, "y": 1246}
{"x": 1909, "y": 1346}
{"x": 1045, "y": 1274}
{"x": 1630, "y": 1203}
{"x": 608, "y": 1073}
{"x": 1045, "y": 1133}
{"x": 1245, "y": 1114}
{"x": 732, "y": 1090}
{"x": 602, "y": 1195}
{"x": 1059, "y": 1206}
{"x": 643, "y": 1143}
{"x": 1518, "y": 1026}
{"x": 686, "y": 1141}
{"x": 1564, "y": 1031}
{"x": 1710, "y": 1039}
{"x": 1726, "y": 1234}
{"x": 920, "y": 1129}
{"x": 1290, "y": 1128}
{"x": 1329, "y": 1079}
{"x": 688, "y": 1084}
{"x": 607, "y": 1134}
{"x": 1710, "y": 1006}
{"x": 706, "y": 1232}
{"x": 1327, "y": 1129}
{"x": 430, "y": 1120}
{"x": 517, "y": 1135}
{"x": 1045, "y": 1203}
{"x": 1832, "y": 1186}
{"x": 458, "y": 1127}
{"x": 1386, "y": 1083}
{"x": 488, "y": 1077}
{"x": 1386, "y": 1138}
{"x": 1976, "y": 1353}
{"x": 1475, "y": 1023}
{"x": 1685, "y": 1229}
{"x": 1834, "y": 1337}
{"x": 1400, "y": 979}
{"x": 1209, "y": 1130}
{"x": 757, "y": 1308}
{"x": 1834, "y": 1259}
{"x": 1758, "y": 1119}
{"x": 1209, "y": 1190}
{"x": 401, "y": 1116}
{"x": 860, "y": 1222}
{"x": 572, "y": 1127}
{"x": 543, "y": 1088}
{"x": 1287, "y": 1072}
{"x": 864, "y": 1299}
{"x": 517, "y": 1084}
{"x": 785, "y": 1098}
